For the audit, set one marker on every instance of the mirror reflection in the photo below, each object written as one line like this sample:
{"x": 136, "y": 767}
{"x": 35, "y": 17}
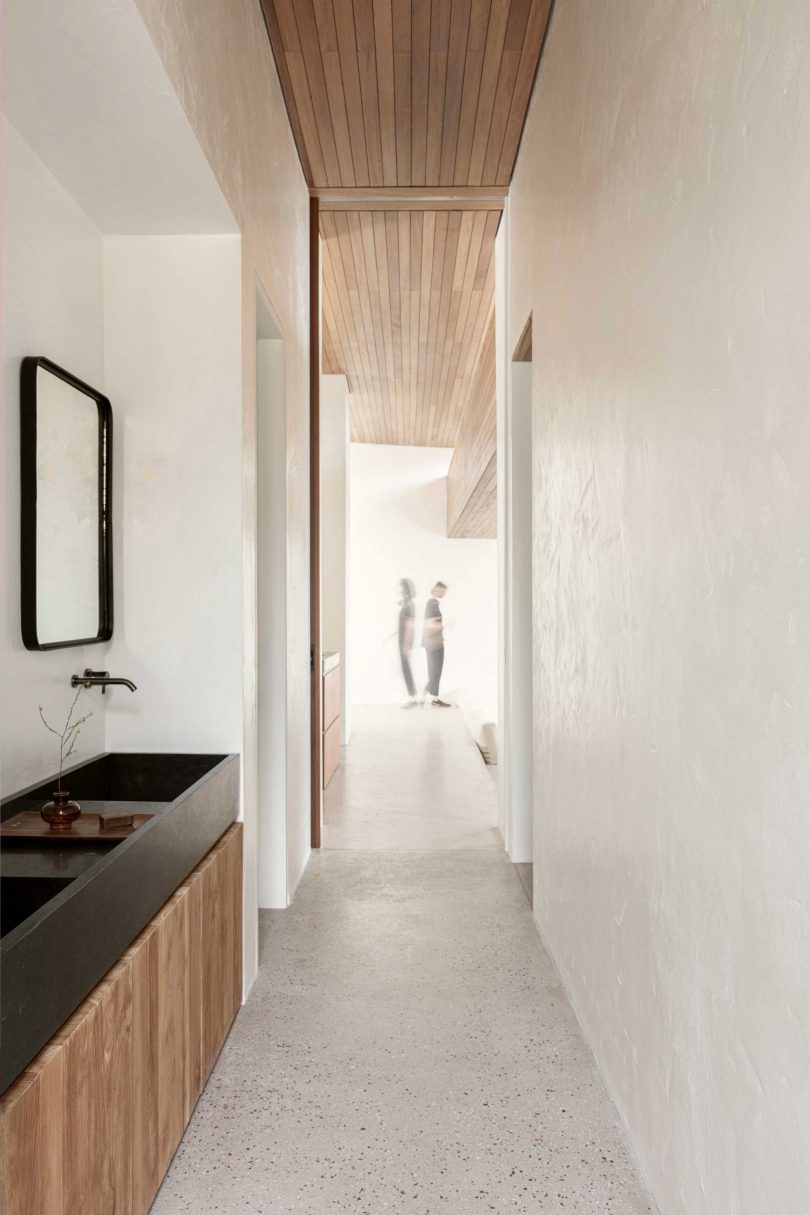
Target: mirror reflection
{"x": 67, "y": 588}
{"x": 67, "y": 510}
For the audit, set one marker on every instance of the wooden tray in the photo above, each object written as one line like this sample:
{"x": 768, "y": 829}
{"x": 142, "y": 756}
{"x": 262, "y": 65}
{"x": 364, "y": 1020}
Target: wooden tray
{"x": 29, "y": 825}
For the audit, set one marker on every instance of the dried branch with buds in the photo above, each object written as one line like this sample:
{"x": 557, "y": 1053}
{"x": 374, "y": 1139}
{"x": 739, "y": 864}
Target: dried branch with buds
{"x": 69, "y": 736}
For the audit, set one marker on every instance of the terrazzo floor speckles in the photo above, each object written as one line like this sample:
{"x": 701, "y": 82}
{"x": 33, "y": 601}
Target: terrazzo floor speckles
{"x": 407, "y": 1049}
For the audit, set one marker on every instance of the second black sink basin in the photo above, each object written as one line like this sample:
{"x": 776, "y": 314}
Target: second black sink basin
{"x": 122, "y": 777}
{"x": 20, "y": 897}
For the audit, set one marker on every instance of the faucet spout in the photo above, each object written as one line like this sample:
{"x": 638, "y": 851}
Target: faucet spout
{"x": 100, "y": 679}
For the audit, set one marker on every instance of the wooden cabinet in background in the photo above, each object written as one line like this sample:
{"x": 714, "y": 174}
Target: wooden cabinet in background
{"x": 331, "y": 723}
{"x": 91, "y": 1126}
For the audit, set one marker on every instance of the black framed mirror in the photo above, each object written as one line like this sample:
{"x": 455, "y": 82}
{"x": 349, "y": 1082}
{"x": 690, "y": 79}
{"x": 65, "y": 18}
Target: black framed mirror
{"x": 66, "y": 509}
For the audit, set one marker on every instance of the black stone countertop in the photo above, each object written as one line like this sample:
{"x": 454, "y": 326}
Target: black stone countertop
{"x": 103, "y": 894}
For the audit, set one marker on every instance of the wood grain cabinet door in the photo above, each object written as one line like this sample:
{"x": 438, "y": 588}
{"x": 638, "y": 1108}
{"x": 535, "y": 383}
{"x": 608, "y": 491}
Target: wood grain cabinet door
{"x": 91, "y": 1126}
{"x": 331, "y": 697}
{"x": 66, "y": 1125}
{"x": 221, "y": 905}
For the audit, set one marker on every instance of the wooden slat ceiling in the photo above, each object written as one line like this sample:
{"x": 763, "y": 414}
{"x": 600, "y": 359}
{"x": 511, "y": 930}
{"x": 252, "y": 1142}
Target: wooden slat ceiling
{"x": 406, "y": 297}
{"x": 407, "y": 92}
{"x": 407, "y": 115}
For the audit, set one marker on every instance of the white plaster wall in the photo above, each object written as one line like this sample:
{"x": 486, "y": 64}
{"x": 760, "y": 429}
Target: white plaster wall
{"x": 223, "y": 71}
{"x": 659, "y": 234}
{"x": 172, "y": 308}
{"x": 52, "y": 306}
{"x": 334, "y": 455}
{"x": 399, "y": 530}
{"x": 273, "y": 881}
{"x": 519, "y": 615}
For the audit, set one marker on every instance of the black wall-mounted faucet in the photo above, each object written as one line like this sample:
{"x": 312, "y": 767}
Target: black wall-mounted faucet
{"x": 99, "y": 679}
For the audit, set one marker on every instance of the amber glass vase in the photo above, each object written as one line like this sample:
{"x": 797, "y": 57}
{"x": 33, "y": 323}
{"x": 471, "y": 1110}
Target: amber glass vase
{"x": 60, "y": 812}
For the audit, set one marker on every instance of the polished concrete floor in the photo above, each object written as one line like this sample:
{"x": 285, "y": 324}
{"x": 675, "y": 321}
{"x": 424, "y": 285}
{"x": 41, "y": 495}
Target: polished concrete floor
{"x": 412, "y": 778}
{"x": 407, "y": 1048}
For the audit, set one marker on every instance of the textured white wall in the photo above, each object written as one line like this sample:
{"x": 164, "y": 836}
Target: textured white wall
{"x": 223, "y": 71}
{"x": 399, "y": 530}
{"x": 52, "y": 306}
{"x": 659, "y": 234}
{"x": 172, "y": 311}
{"x": 274, "y": 890}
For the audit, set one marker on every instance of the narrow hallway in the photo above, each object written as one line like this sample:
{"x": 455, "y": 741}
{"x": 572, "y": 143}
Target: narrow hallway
{"x": 407, "y": 1046}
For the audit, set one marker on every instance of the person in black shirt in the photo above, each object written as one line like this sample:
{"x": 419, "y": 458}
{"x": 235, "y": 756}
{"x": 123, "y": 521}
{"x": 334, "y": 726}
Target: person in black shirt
{"x": 433, "y": 641}
{"x": 407, "y": 616}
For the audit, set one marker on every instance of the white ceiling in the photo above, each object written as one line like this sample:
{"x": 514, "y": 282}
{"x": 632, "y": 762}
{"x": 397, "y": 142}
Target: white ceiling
{"x": 84, "y": 86}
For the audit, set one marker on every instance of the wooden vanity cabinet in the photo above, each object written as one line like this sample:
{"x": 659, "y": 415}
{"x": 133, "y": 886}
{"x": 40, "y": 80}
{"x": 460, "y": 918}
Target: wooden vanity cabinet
{"x": 331, "y": 722}
{"x": 91, "y": 1126}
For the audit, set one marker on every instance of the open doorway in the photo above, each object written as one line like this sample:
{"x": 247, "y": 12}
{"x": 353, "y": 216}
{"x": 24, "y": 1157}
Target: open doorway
{"x": 421, "y": 603}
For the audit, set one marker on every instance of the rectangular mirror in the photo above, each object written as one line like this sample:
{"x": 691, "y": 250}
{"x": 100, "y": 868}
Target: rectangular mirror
{"x": 66, "y": 516}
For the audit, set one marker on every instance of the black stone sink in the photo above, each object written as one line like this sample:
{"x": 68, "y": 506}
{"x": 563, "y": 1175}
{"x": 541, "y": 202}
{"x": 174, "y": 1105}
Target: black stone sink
{"x": 68, "y": 910}
{"x": 20, "y": 897}
{"x": 120, "y": 777}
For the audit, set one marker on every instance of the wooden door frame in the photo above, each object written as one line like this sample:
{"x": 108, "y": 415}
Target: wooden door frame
{"x": 316, "y": 778}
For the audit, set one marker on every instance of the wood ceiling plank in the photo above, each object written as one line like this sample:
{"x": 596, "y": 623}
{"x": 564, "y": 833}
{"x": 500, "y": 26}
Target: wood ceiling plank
{"x": 388, "y": 404}
{"x": 401, "y": 21}
{"x": 527, "y": 70}
{"x": 473, "y": 251}
{"x": 416, "y": 221}
{"x": 370, "y": 260}
{"x": 510, "y": 61}
{"x": 333, "y": 76}
{"x": 300, "y": 90}
{"x": 392, "y": 254}
{"x": 459, "y": 196}
{"x": 434, "y": 288}
{"x": 420, "y": 87}
{"x": 340, "y": 277}
{"x": 384, "y": 50}
{"x": 439, "y": 42}
{"x": 445, "y": 403}
{"x": 336, "y": 305}
{"x": 375, "y": 370}
{"x": 413, "y": 204}
{"x": 312, "y": 65}
{"x": 343, "y": 12}
{"x": 354, "y": 277}
{"x": 367, "y": 71}
{"x": 473, "y": 64}
{"x": 448, "y": 266}
{"x": 496, "y": 34}
{"x": 288, "y": 26}
{"x": 403, "y": 225}
{"x": 425, "y": 273}
{"x": 456, "y": 56}
{"x": 454, "y": 339}
{"x": 325, "y": 26}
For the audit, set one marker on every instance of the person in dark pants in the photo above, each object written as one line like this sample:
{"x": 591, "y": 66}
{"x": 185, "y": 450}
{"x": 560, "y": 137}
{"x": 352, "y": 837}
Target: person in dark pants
{"x": 433, "y": 641}
{"x": 407, "y": 616}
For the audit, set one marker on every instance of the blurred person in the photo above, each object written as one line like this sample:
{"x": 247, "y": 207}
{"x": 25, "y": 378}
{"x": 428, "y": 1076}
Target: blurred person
{"x": 433, "y": 642}
{"x": 407, "y": 621}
